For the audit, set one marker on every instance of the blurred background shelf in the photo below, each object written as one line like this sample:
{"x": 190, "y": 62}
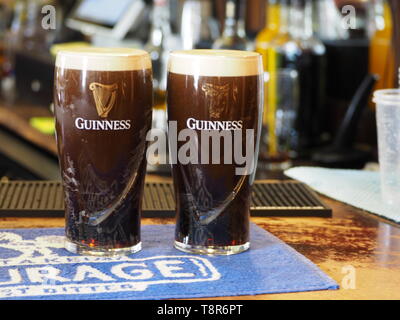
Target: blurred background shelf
{"x": 27, "y": 53}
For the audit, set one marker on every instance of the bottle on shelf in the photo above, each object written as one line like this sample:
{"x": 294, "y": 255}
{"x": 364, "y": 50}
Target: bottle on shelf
{"x": 158, "y": 46}
{"x": 282, "y": 35}
{"x": 271, "y": 29}
{"x": 12, "y": 41}
{"x": 299, "y": 50}
{"x": 160, "y": 43}
{"x": 271, "y": 149}
{"x": 381, "y": 51}
{"x": 198, "y": 27}
{"x": 234, "y": 36}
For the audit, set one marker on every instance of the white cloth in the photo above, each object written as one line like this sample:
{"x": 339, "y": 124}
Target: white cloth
{"x": 360, "y": 189}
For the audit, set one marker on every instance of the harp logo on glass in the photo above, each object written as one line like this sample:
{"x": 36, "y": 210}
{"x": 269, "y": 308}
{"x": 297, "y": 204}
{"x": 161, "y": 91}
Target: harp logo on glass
{"x": 105, "y": 96}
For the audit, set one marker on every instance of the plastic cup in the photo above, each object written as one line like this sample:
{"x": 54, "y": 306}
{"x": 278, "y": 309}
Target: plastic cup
{"x": 388, "y": 122}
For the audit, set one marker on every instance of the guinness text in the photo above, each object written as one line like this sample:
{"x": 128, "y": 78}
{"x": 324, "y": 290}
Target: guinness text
{"x": 194, "y": 124}
{"x": 104, "y": 125}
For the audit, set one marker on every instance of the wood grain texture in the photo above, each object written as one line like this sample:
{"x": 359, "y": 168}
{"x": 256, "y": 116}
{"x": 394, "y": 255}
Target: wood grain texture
{"x": 350, "y": 238}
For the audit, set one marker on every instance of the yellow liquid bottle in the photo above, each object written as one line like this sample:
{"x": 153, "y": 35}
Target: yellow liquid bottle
{"x": 381, "y": 55}
{"x": 272, "y": 65}
{"x": 265, "y": 36}
{"x": 262, "y": 46}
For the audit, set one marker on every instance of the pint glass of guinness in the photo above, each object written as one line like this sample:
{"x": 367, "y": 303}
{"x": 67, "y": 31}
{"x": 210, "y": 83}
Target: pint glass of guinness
{"x": 215, "y": 101}
{"x": 103, "y": 107}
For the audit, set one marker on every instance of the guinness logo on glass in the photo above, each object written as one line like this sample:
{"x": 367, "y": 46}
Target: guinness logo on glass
{"x": 216, "y": 96}
{"x": 104, "y": 97}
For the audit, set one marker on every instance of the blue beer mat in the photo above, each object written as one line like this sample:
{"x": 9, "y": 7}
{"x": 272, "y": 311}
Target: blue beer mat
{"x": 34, "y": 265}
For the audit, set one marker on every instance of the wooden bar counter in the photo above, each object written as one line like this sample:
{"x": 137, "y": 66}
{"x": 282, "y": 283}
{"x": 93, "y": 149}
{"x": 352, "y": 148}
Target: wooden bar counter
{"x": 359, "y": 250}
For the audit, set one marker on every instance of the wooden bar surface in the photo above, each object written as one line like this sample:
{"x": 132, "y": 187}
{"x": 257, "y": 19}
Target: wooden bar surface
{"x": 349, "y": 241}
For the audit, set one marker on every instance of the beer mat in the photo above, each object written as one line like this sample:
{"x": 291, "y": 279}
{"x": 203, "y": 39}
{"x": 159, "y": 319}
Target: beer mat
{"x": 35, "y": 266}
{"x": 358, "y": 188}
{"x": 269, "y": 198}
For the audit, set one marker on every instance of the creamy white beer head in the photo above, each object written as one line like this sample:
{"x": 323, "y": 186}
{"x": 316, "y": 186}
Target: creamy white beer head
{"x": 103, "y": 59}
{"x": 215, "y": 63}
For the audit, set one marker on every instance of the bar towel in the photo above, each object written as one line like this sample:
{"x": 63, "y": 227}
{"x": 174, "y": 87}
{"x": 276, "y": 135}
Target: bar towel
{"x": 358, "y": 188}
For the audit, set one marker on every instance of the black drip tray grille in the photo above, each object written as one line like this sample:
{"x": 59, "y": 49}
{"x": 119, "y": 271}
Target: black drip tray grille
{"x": 273, "y": 199}
{"x": 21, "y": 196}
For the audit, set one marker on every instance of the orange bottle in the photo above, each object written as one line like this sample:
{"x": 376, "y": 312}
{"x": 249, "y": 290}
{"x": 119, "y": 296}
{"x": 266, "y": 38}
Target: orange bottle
{"x": 381, "y": 54}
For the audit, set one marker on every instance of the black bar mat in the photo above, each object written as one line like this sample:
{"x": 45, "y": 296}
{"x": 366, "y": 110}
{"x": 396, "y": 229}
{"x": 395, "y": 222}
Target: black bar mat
{"x": 269, "y": 199}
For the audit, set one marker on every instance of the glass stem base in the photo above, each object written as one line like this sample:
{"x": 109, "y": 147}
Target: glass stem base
{"x": 99, "y": 251}
{"x": 212, "y": 250}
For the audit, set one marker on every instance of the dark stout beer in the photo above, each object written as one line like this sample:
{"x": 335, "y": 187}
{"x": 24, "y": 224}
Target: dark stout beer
{"x": 103, "y": 103}
{"x": 220, "y": 91}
